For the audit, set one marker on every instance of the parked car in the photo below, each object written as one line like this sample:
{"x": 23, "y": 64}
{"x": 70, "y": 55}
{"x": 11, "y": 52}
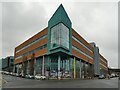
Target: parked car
{"x": 43, "y": 77}
{"x": 67, "y": 75}
{"x": 5, "y": 72}
{"x": 18, "y": 75}
{"x": 53, "y": 74}
{"x": 23, "y": 76}
{"x": 101, "y": 77}
{"x": 11, "y": 73}
{"x": 29, "y": 76}
{"x": 38, "y": 76}
{"x": 111, "y": 76}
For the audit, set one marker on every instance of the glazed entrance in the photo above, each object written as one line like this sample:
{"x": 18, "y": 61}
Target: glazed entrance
{"x": 60, "y": 66}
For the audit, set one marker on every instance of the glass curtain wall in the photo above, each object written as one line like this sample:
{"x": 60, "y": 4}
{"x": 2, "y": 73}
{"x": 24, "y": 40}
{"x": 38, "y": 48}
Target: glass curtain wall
{"x": 38, "y": 66}
{"x": 78, "y": 69}
{"x": 59, "y": 36}
{"x": 86, "y": 70}
{"x": 54, "y": 67}
{"x": 65, "y": 67}
{"x": 82, "y": 69}
{"x": 28, "y": 67}
{"x": 71, "y": 67}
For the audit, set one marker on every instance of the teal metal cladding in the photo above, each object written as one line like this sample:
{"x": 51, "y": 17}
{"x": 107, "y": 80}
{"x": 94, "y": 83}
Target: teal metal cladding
{"x": 60, "y": 16}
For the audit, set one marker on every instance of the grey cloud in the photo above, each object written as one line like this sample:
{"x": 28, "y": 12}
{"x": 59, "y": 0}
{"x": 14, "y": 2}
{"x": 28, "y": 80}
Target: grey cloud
{"x": 19, "y": 23}
{"x": 97, "y": 22}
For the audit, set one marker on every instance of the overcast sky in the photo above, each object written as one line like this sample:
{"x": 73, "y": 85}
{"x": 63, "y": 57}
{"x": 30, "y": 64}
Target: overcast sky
{"x": 94, "y": 21}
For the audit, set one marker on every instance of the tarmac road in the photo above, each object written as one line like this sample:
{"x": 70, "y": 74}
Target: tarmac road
{"x": 18, "y": 82}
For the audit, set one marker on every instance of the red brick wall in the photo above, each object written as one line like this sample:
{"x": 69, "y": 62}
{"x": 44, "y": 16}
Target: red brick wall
{"x": 32, "y": 47}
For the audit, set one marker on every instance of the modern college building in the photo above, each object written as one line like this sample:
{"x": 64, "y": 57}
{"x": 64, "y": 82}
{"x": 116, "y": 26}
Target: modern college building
{"x": 59, "y": 49}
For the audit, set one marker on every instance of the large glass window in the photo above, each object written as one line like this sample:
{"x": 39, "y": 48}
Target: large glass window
{"x": 60, "y": 36}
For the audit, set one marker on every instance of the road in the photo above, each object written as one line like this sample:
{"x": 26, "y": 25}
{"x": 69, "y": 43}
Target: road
{"x": 17, "y": 82}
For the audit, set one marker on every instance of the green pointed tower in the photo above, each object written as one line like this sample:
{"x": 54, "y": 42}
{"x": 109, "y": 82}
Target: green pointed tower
{"x": 59, "y": 32}
{"x": 60, "y": 15}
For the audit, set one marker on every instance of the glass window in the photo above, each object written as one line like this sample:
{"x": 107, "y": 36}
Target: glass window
{"x": 60, "y": 36}
{"x": 82, "y": 52}
{"x": 38, "y": 39}
{"x": 81, "y": 43}
{"x": 29, "y": 52}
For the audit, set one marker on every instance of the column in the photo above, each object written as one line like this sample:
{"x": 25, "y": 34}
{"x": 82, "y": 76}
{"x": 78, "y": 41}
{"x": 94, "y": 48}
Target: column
{"x": 49, "y": 59}
{"x": 18, "y": 69}
{"x": 63, "y": 67}
{"x": 64, "y": 64}
{"x": 22, "y": 69}
{"x": 84, "y": 69}
{"x": 89, "y": 71}
{"x": 27, "y": 67}
{"x": 49, "y": 65}
{"x": 66, "y": 67}
{"x": 74, "y": 67}
{"x": 14, "y": 68}
{"x": 61, "y": 63}
{"x": 59, "y": 67}
{"x": 69, "y": 65}
{"x": 92, "y": 71}
{"x": 43, "y": 66}
{"x": 71, "y": 68}
{"x": 80, "y": 68}
{"x": 34, "y": 66}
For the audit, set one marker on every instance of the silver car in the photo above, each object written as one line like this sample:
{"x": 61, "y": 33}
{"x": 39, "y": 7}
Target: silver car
{"x": 38, "y": 76}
